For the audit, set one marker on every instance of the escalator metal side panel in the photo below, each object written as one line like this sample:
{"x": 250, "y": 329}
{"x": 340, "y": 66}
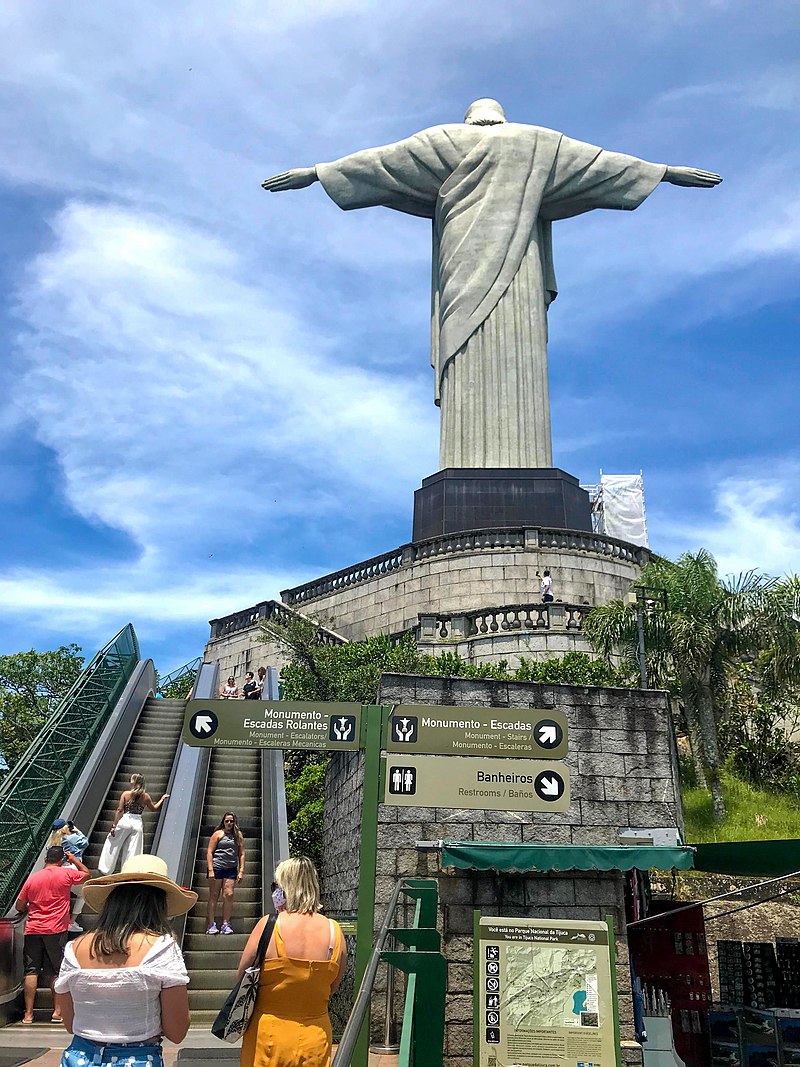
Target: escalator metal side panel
{"x": 274, "y": 827}
{"x": 83, "y": 806}
{"x": 179, "y": 828}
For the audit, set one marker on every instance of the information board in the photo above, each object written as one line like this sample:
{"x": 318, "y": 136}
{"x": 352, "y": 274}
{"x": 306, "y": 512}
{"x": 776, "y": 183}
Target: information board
{"x": 287, "y": 724}
{"x": 475, "y": 782}
{"x": 540, "y": 733}
{"x": 543, "y": 993}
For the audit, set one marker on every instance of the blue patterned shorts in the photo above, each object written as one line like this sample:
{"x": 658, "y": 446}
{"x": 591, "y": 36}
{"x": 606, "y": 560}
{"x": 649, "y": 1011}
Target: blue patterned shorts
{"x": 85, "y": 1053}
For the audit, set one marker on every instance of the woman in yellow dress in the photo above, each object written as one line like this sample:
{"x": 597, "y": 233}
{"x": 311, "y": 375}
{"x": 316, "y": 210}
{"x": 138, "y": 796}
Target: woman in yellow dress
{"x": 304, "y": 964}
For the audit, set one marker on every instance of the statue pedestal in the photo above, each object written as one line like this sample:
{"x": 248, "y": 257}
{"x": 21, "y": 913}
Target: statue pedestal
{"x": 460, "y": 499}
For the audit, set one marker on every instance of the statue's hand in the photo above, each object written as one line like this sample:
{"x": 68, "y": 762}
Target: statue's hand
{"x": 291, "y": 179}
{"x": 692, "y": 177}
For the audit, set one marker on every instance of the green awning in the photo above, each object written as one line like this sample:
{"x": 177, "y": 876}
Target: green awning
{"x": 499, "y": 856}
{"x": 749, "y": 858}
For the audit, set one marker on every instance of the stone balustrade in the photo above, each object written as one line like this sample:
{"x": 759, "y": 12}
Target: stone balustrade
{"x": 474, "y": 541}
{"x": 266, "y": 611}
{"x": 527, "y": 618}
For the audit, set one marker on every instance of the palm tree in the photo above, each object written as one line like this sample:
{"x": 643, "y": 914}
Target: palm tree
{"x": 709, "y": 624}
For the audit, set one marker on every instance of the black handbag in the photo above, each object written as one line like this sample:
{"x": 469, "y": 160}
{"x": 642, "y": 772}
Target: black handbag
{"x": 236, "y": 1012}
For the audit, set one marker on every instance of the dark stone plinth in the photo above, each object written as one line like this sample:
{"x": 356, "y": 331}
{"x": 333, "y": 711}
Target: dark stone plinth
{"x": 459, "y": 499}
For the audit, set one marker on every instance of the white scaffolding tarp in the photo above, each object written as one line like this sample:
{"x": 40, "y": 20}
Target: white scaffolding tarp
{"x": 623, "y": 507}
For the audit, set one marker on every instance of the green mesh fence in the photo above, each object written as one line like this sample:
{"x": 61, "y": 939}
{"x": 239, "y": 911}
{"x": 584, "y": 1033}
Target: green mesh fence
{"x": 36, "y": 789}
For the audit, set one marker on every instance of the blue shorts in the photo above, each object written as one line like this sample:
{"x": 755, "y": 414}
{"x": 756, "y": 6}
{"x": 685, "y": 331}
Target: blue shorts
{"x": 82, "y": 1053}
{"x": 227, "y": 872}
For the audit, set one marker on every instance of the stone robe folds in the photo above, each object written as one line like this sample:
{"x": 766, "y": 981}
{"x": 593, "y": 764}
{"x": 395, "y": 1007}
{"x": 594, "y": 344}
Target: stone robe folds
{"x": 492, "y": 193}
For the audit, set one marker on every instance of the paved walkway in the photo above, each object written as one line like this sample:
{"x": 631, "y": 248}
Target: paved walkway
{"x": 56, "y": 1039}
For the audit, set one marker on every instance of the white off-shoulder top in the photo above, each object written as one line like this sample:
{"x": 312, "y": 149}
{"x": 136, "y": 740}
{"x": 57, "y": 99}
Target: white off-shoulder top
{"x": 122, "y": 1003}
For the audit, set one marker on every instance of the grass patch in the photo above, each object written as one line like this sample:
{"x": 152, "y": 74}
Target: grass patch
{"x": 753, "y": 814}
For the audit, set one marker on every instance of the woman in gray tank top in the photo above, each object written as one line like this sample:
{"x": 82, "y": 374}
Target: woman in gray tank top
{"x": 225, "y": 870}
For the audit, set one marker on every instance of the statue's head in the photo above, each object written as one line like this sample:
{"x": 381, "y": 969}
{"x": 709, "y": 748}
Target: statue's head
{"x": 485, "y": 112}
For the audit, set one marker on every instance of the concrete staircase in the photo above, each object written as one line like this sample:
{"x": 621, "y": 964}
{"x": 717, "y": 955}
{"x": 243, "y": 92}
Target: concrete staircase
{"x": 151, "y": 752}
{"x": 234, "y": 784}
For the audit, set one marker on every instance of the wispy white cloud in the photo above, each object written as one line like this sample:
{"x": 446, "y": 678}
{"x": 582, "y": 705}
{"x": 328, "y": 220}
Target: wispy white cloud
{"x": 755, "y": 523}
{"x": 183, "y": 402}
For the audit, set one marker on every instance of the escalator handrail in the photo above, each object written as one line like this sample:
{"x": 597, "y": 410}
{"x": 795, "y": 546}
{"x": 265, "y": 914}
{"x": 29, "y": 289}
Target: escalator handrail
{"x": 36, "y": 789}
{"x": 178, "y": 830}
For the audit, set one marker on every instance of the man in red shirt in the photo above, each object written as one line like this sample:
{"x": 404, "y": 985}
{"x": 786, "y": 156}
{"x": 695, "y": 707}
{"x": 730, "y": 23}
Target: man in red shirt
{"x": 45, "y": 897}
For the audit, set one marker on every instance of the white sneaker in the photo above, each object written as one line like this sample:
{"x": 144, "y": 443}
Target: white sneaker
{"x": 73, "y": 928}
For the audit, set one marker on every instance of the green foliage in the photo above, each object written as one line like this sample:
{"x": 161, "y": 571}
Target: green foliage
{"x": 31, "y": 685}
{"x": 756, "y": 737}
{"x": 752, "y": 814}
{"x": 180, "y": 687}
{"x": 695, "y": 645}
{"x": 305, "y": 803}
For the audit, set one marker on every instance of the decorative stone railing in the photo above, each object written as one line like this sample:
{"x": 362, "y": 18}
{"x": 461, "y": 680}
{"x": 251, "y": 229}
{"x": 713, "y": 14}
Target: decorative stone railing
{"x": 268, "y": 611}
{"x": 460, "y": 626}
{"x": 473, "y": 541}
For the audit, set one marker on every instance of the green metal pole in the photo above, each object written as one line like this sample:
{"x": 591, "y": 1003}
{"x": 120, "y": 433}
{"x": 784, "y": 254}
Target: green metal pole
{"x": 612, "y": 957}
{"x": 371, "y": 740}
{"x": 476, "y": 997}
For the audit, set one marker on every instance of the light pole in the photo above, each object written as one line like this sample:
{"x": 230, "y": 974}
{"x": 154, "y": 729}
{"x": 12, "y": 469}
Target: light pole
{"x": 645, "y": 596}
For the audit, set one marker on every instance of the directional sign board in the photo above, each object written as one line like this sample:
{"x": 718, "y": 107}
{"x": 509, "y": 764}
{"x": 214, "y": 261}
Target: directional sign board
{"x": 288, "y": 724}
{"x": 544, "y": 993}
{"x": 472, "y": 782}
{"x": 519, "y": 732}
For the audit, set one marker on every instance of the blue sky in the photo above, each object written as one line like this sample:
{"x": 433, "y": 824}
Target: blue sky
{"x": 208, "y": 394}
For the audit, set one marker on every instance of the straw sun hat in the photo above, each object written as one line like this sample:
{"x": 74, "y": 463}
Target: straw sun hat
{"x": 140, "y": 870}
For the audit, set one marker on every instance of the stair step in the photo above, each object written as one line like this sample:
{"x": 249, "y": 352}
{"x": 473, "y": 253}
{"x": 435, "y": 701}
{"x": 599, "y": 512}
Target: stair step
{"x": 211, "y": 960}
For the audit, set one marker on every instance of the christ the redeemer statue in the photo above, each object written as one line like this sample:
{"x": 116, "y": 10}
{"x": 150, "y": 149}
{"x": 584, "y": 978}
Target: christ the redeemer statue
{"x": 493, "y": 189}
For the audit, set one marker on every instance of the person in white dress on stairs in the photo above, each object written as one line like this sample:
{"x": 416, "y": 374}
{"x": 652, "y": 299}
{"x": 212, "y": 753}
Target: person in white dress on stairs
{"x": 126, "y": 837}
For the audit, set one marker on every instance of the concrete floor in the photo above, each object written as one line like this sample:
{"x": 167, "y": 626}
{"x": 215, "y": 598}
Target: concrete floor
{"x": 56, "y": 1039}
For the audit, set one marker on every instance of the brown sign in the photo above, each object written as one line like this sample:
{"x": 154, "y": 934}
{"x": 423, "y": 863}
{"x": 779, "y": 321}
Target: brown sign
{"x": 524, "y": 733}
{"x": 287, "y": 724}
{"x": 475, "y": 782}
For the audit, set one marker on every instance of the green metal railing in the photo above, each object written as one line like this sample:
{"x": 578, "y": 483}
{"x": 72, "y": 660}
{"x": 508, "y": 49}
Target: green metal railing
{"x": 422, "y": 1035}
{"x": 36, "y": 789}
{"x": 188, "y": 671}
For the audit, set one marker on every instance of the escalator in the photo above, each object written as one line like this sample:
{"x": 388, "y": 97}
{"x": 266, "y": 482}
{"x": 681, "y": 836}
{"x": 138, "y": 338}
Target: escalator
{"x": 151, "y": 752}
{"x": 234, "y": 783}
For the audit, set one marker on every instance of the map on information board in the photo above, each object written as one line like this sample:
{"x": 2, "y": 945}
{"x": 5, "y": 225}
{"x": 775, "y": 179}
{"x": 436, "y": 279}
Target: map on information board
{"x": 544, "y": 994}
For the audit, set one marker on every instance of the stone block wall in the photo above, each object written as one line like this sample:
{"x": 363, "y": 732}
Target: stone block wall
{"x": 393, "y": 602}
{"x": 623, "y": 774}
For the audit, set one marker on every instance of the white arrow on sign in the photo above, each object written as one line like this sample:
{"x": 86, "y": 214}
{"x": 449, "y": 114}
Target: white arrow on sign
{"x": 548, "y": 735}
{"x": 202, "y": 723}
{"x": 551, "y": 787}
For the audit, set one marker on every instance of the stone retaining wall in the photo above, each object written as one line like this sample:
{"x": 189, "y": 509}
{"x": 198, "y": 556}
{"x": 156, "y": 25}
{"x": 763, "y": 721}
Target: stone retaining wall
{"x": 623, "y": 772}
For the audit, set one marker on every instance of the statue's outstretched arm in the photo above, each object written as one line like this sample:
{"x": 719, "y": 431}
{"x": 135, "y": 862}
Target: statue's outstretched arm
{"x": 692, "y": 177}
{"x": 291, "y": 179}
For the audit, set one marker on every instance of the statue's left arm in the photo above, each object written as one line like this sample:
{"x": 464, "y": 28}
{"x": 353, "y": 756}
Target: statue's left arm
{"x": 586, "y": 177}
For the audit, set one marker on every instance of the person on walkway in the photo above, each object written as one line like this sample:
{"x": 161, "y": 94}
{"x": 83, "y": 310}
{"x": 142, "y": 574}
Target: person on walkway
{"x": 45, "y": 897}
{"x": 122, "y": 987}
{"x": 126, "y": 836}
{"x": 225, "y": 870}
{"x": 74, "y": 842}
{"x": 546, "y": 587}
{"x": 261, "y": 682}
{"x": 250, "y": 687}
{"x": 304, "y": 964}
{"x": 229, "y": 691}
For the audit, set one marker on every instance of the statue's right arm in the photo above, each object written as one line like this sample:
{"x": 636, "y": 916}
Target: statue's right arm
{"x": 291, "y": 179}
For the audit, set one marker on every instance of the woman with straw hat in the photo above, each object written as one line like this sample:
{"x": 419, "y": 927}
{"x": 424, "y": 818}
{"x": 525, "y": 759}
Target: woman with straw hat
{"x": 122, "y": 987}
